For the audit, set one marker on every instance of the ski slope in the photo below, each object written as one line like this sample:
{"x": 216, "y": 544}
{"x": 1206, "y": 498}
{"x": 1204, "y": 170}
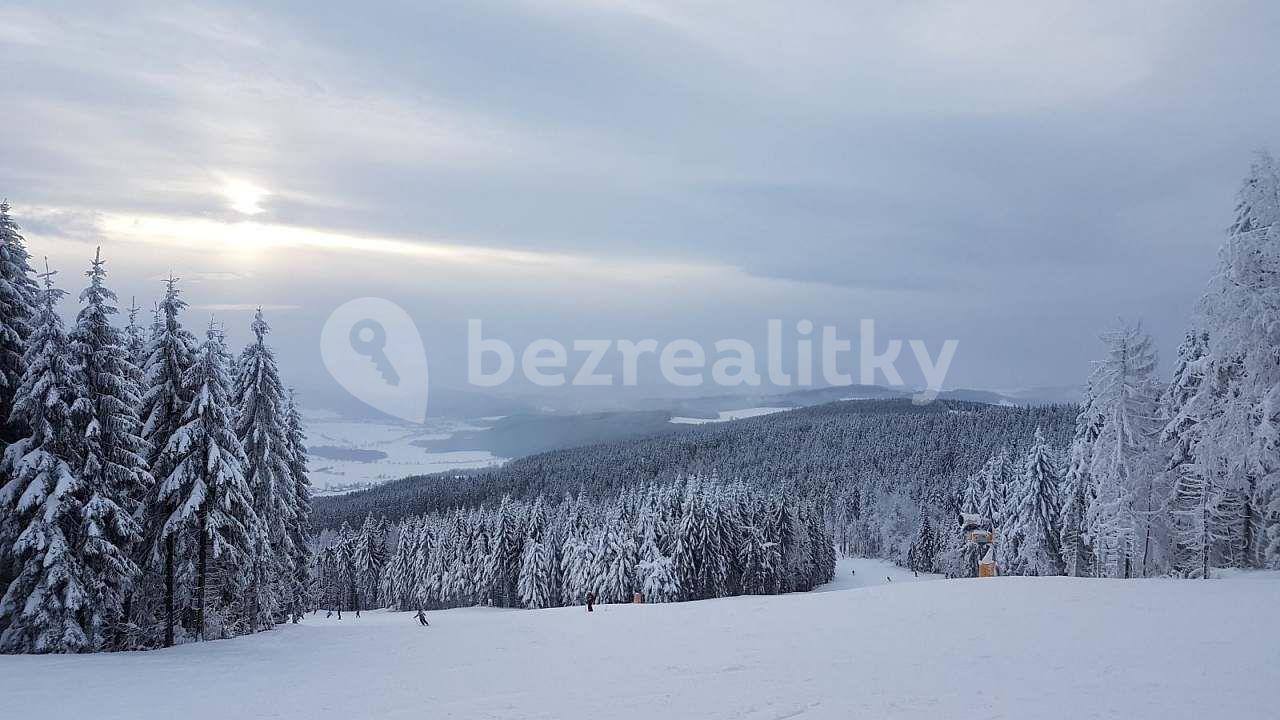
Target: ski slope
{"x": 1021, "y": 648}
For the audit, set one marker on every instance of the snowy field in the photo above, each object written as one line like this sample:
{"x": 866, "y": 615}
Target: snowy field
{"x": 727, "y": 415}
{"x": 1021, "y": 648}
{"x": 398, "y": 457}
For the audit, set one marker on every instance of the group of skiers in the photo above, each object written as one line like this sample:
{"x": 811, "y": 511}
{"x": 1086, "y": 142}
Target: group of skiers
{"x": 422, "y": 617}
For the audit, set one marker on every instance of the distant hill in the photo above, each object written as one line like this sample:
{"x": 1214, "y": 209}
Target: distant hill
{"x": 520, "y": 435}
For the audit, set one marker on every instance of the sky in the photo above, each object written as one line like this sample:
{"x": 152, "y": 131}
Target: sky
{"x": 1012, "y": 175}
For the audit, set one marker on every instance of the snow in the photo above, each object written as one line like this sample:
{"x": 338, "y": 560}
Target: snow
{"x": 1022, "y": 648}
{"x": 727, "y": 415}
{"x": 395, "y": 440}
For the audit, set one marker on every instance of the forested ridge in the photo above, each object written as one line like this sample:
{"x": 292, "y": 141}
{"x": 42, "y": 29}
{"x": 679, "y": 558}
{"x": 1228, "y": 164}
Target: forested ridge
{"x": 876, "y": 444}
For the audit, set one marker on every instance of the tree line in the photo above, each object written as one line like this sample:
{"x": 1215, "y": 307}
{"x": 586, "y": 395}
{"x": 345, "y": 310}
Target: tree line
{"x": 1159, "y": 478}
{"x": 692, "y": 539}
{"x": 152, "y": 488}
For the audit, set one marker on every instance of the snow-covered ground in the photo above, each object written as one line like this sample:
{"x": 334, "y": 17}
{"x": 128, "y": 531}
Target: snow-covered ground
{"x": 327, "y": 435}
{"x": 727, "y": 415}
{"x": 1021, "y": 648}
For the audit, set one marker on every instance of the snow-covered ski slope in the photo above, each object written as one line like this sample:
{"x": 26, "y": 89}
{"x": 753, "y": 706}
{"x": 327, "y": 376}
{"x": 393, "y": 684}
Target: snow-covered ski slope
{"x": 1021, "y": 648}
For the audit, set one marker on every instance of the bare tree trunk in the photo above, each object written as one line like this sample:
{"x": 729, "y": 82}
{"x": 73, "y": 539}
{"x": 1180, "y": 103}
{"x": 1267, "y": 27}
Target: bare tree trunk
{"x": 202, "y": 565}
{"x": 168, "y": 591}
{"x": 1247, "y": 549}
{"x": 1146, "y": 529}
{"x": 1205, "y": 542}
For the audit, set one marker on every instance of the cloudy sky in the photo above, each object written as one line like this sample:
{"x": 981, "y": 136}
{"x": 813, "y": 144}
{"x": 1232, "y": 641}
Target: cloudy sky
{"x": 1014, "y": 175}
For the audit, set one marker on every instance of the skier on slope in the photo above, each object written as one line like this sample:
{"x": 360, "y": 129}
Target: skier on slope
{"x": 591, "y": 601}
{"x": 422, "y": 619}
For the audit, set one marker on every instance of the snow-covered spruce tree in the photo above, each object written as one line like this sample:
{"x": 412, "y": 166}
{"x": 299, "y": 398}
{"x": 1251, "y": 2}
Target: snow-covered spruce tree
{"x": 1123, "y": 463}
{"x": 262, "y": 426}
{"x": 1193, "y": 501}
{"x": 460, "y": 588}
{"x": 972, "y": 500}
{"x": 618, "y": 560}
{"x": 1239, "y": 395}
{"x": 19, "y": 306}
{"x": 1036, "y": 528}
{"x": 299, "y": 518}
{"x": 575, "y": 562}
{"x": 397, "y": 579}
{"x": 536, "y": 583}
{"x": 786, "y": 529}
{"x": 369, "y": 558}
{"x": 995, "y": 506}
{"x": 165, "y": 401}
{"x": 759, "y": 557}
{"x": 992, "y": 505}
{"x": 111, "y": 450}
{"x": 205, "y": 494}
{"x": 135, "y": 340}
{"x": 46, "y": 607}
{"x": 924, "y": 548}
{"x": 657, "y": 575}
{"x": 507, "y": 549}
{"x": 697, "y": 554}
{"x": 440, "y": 566}
{"x": 1078, "y": 490}
{"x": 481, "y": 562}
{"x": 821, "y": 548}
{"x": 952, "y": 560}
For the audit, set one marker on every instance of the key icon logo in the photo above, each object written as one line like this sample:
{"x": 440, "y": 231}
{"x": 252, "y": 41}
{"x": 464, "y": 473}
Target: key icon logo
{"x": 372, "y": 348}
{"x": 368, "y": 337}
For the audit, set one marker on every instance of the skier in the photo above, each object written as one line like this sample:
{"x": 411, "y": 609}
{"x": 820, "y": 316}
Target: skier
{"x": 591, "y": 601}
{"x": 422, "y": 619}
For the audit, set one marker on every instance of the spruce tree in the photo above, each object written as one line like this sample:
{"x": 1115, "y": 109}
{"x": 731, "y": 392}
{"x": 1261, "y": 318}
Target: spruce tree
{"x": 536, "y": 575}
{"x": 47, "y": 605}
{"x": 300, "y": 517}
{"x": 660, "y": 583}
{"x": 1193, "y": 501}
{"x": 135, "y": 339}
{"x": 206, "y": 489}
{"x": 971, "y": 501}
{"x": 19, "y": 307}
{"x": 507, "y": 550}
{"x": 1037, "y": 511}
{"x": 262, "y": 426}
{"x": 1078, "y": 490}
{"x": 617, "y": 561}
{"x": 165, "y": 402}
{"x": 924, "y": 548}
{"x": 369, "y": 558}
{"x": 111, "y": 451}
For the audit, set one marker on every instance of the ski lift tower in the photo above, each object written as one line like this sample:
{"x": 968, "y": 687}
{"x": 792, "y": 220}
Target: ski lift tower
{"x": 977, "y": 530}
